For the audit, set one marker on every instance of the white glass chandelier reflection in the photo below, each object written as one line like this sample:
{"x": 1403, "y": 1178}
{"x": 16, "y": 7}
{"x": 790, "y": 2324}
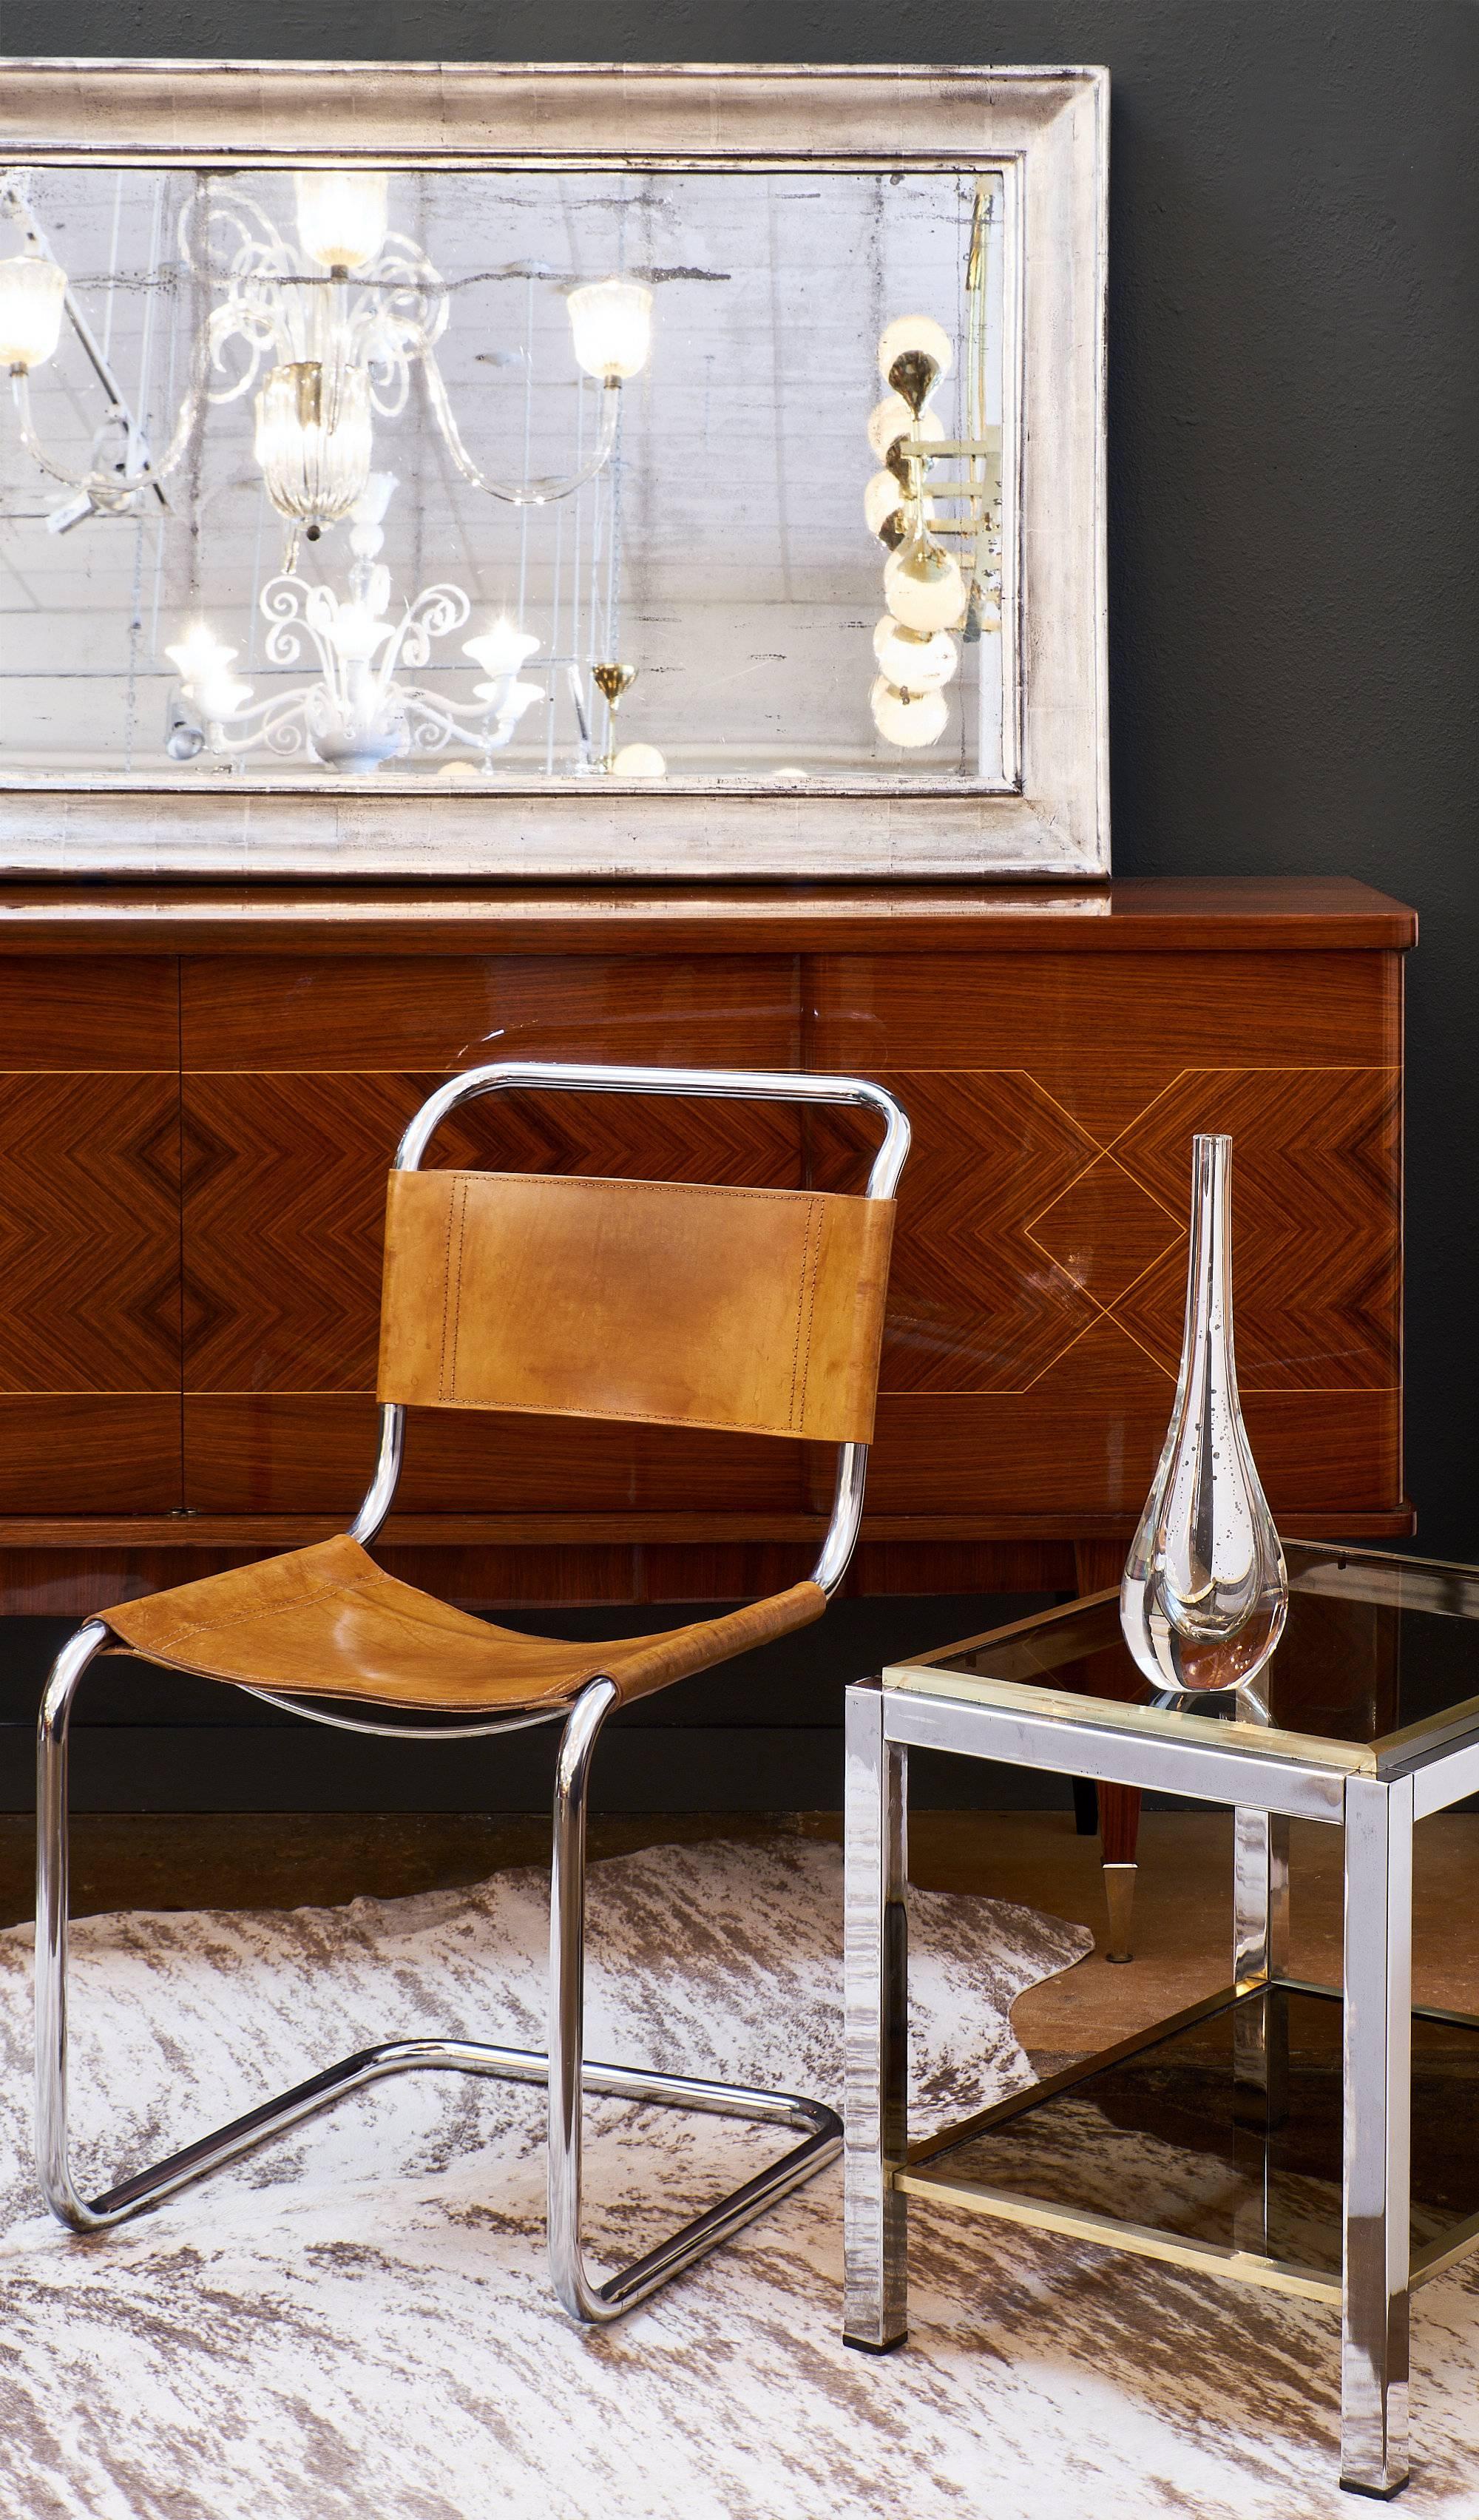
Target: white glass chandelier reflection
{"x": 357, "y": 714}
{"x": 33, "y": 296}
{"x": 339, "y": 318}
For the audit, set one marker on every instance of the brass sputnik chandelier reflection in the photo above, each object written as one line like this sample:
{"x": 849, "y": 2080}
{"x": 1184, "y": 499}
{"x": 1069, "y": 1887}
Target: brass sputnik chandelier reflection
{"x": 930, "y": 593}
{"x": 339, "y": 319}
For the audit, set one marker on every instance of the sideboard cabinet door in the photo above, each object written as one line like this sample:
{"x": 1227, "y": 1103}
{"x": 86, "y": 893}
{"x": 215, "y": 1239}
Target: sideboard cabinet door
{"x": 89, "y": 1237}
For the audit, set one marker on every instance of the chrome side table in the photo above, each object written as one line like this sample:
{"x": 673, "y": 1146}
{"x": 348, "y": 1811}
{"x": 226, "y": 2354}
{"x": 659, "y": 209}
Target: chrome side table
{"x": 1317, "y": 2142}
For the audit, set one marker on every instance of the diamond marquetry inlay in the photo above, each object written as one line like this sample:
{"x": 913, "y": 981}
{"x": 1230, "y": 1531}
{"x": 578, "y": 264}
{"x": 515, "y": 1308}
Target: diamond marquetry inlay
{"x": 1105, "y": 1230}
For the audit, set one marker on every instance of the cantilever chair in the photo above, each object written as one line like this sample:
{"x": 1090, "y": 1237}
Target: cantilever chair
{"x": 755, "y": 1311}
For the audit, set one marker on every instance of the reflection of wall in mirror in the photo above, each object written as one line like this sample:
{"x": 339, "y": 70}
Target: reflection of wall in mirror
{"x": 721, "y": 551}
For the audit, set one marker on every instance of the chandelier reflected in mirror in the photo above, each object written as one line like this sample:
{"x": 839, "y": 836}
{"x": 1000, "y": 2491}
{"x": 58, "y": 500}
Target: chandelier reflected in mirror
{"x": 930, "y": 593}
{"x": 357, "y": 714}
{"x": 339, "y": 319}
{"x": 213, "y": 358}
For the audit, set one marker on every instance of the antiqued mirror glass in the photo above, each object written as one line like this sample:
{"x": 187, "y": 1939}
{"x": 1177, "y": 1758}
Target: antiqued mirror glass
{"x": 515, "y": 477}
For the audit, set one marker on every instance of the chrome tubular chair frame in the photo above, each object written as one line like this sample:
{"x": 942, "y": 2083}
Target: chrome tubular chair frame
{"x": 565, "y": 2072}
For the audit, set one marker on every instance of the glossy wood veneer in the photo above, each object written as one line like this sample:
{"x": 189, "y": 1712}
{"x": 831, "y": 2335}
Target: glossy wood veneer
{"x": 307, "y": 1452}
{"x": 70, "y": 1452}
{"x": 446, "y": 1012}
{"x": 1056, "y": 1052}
{"x": 1172, "y": 914}
{"x": 285, "y": 1199}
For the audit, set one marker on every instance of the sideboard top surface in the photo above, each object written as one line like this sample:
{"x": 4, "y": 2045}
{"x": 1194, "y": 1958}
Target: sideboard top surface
{"x": 1250, "y": 913}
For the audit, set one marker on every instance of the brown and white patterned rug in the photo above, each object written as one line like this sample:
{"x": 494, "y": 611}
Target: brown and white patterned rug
{"x": 355, "y": 2324}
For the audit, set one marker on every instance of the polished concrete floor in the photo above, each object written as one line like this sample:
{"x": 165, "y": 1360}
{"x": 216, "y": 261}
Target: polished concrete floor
{"x": 1183, "y": 1918}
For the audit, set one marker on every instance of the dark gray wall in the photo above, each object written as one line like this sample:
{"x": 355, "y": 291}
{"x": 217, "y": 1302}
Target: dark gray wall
{"x": 1294, "y": 452}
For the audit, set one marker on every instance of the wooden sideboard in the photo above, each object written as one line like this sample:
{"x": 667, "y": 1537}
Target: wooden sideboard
{"x": 202, "y": 1085}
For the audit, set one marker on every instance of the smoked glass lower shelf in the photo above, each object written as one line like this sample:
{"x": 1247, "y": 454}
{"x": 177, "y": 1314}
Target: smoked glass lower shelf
{"x": 1214, "y": 2140}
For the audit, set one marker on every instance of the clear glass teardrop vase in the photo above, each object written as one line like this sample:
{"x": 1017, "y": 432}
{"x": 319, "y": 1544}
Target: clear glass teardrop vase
{"x": 1205, "y": 1591}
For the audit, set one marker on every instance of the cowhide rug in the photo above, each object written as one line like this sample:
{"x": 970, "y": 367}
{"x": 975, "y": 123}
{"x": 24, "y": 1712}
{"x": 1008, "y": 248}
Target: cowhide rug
{"x": 355, "y": 2323}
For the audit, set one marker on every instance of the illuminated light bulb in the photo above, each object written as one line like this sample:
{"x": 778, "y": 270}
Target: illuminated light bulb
{"x": 892, "y": 417}
{"x": 223, "y": 698}
{"x": 922, "y": 586}
{"x": 919, "y": 332}
{"x": 638, "y": 761}
{"x": 503, "y": 649}
{"x": 914, "y": 660}
{"x": 314, "y": 439}
{"x": 32, "y": 290}
{"x": 611, "y": 328}
{"x": 908, "y": 719}
{"x": 880, "y": 499}
{"x": 355, "y": 632}
{"x": 883, "y": 498}
{"x": 199, "y": 656}
{"x": 203, "y": 663}
{"x": 342, "y": 216}
{"x": 507, "y": 698}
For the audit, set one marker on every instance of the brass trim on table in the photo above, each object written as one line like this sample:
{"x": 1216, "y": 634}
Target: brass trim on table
{"x": 1441, "y": 2254}
{"x": 1143, "y": 1722}
{"x": 1205, "y": 2257}
{"x": 1390, "y": 1754}
{"x": 911, "y": 2177}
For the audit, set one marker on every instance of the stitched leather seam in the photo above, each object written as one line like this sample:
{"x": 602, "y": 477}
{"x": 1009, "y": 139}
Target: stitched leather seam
{"x": 452, "y": 1330}
{"x": 805, "y": 1304}
{"x": 461, "y": 1196}
{"x": 686, "y": 1190}
{"x": 441, "y": 1359}
{"x": 638, "y": 1416}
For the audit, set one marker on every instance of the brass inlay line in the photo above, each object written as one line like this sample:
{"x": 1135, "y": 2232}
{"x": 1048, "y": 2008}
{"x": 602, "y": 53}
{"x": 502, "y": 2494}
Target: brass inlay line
{"x": 1095, "y": 1714}
{"x": 912, "y": 2177}
{"x": 1205, "y": 2257}
{"x": 1441, "y": 2254}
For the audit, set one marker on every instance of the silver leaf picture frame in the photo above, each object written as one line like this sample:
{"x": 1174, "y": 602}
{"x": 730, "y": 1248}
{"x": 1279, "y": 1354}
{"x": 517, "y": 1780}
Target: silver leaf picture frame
{"x": 1042, "y": 135}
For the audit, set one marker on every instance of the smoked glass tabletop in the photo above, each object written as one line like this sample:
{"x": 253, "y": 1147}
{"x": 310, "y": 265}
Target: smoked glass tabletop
{"x": 1171, "y": 2137}
{"x": 1378, "y": 1666}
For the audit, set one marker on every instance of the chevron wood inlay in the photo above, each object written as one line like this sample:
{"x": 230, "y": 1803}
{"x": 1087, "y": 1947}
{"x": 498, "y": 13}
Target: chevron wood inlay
{"x": 1104, "y": 1033}
{"x": 89, "y": 1233}
{"x": 1105, "y": 1230}
{"x": 1316, "y": 1220}
{"x": 283, "y": 1223}
{"x": 974, "y": 1303}
{"x": 286, "y": 1193}
{"x": 1055, "y": 1056}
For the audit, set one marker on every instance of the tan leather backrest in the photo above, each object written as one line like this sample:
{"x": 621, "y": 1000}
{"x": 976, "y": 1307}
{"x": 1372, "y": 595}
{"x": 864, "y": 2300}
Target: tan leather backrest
{"x": 756, "y": 1310}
